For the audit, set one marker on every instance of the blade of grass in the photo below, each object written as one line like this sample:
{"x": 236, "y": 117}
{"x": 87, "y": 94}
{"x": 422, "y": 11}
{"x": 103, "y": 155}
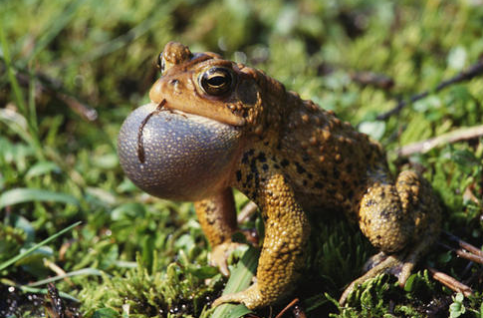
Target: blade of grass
{"x": 59, "y": 22}
{"x": 11, "y": 74}
{"x": 128, "y": 37}
{"x": 31, "y": 102}
{"x": 22, "y": 195}
{"x": 240, "y": 279}
{"x": 20, "y": 102}
{"x": 37, "y": 246}
{"x": 84, "y": 271}
{"x": 17, "y": 123}
{"x": 42, "y": 291}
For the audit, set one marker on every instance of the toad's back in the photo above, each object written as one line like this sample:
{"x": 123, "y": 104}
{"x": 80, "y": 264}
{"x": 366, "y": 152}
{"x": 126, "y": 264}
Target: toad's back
{"x": 326, "y": 160}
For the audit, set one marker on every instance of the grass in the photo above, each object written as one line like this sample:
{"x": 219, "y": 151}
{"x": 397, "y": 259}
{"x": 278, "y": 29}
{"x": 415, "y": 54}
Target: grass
{"x": 72, "y": 71}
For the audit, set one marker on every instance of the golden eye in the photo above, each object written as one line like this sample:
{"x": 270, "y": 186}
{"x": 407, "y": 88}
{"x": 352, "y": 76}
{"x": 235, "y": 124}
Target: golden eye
{"x": 216, "y": 81}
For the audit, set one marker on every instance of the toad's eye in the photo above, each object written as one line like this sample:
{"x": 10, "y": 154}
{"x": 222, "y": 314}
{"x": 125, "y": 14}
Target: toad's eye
{"x": 160, "y": 63}
{"x": 216, "y": 81}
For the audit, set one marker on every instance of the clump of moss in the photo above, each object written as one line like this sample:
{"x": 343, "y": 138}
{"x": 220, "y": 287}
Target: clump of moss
{"x": 11, "y": 241}
{"x": 178, "y": 291}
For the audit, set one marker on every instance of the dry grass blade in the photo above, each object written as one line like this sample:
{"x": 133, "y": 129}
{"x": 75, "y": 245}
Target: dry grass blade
{"x": 451, "y": 137}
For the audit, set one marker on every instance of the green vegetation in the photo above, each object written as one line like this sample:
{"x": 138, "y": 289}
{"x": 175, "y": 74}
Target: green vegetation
{"x": 71, "y": 71}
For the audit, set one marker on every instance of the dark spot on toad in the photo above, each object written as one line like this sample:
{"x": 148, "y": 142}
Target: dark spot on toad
{"x": 300, "y": 169}
{"x": 238, "y": 175}
{"x": 284, "y": 163}
{"x": 318, "y": 185}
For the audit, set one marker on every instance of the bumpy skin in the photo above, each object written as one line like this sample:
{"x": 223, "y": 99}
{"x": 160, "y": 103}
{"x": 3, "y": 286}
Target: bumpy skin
{"x": 294, "y": 158}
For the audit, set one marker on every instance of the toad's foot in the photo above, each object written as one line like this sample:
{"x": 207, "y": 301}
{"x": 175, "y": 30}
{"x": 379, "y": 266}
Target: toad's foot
{"x": 250, "y": 297}
{"x": 385, "y": 264}
{"x": 220, "y": 253}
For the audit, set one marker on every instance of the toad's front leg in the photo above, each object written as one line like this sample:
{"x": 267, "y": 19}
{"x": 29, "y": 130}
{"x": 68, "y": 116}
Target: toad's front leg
{"x": 282, "y": 256}
{"x": 217, "y": 217}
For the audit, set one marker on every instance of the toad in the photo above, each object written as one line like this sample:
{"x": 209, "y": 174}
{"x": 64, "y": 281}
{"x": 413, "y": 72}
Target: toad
{"x": 214, "y": 125}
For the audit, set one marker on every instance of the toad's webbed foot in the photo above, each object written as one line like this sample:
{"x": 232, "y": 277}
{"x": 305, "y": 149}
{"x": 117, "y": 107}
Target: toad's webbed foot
{"x": 250, "y": 297}
{"x": 387, "y": 264}
{"x": 382, "y": 264}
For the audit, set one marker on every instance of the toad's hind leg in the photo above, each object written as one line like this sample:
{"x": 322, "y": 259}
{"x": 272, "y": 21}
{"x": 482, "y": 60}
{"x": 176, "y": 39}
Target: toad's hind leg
{"x": 402, "y": 221}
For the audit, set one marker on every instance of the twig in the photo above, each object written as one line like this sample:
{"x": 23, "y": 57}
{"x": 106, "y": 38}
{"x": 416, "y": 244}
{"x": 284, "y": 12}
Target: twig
{"x": 467, "y": 246}
{"x": 466, "y": 75}
{"x": 373, "y": 79}
{"x": 469, "y": 256}
{"x": 463, "y": 253}
{"x": 290, "y": 305}
{"x": 246, "y": 213}
{"x": 54, "y": 87}
{"x": 58, "y": 270}
{"x": 450, "y": 282}
{"x": 451, "y": 137}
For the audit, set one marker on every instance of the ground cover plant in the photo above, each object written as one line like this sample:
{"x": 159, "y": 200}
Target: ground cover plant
{"x": 70, "y": 72}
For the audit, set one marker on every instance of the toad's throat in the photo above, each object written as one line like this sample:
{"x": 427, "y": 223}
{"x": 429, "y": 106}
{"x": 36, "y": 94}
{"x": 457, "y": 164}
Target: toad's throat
{"x": 175, "y": 155}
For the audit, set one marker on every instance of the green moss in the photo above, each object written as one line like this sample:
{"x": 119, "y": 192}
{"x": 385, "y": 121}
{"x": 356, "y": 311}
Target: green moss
{"x": 178, "y": 291}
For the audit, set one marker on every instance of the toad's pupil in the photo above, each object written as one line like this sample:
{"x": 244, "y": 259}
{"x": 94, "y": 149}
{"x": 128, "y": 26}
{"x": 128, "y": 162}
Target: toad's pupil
{"x": 218, "y": 81}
